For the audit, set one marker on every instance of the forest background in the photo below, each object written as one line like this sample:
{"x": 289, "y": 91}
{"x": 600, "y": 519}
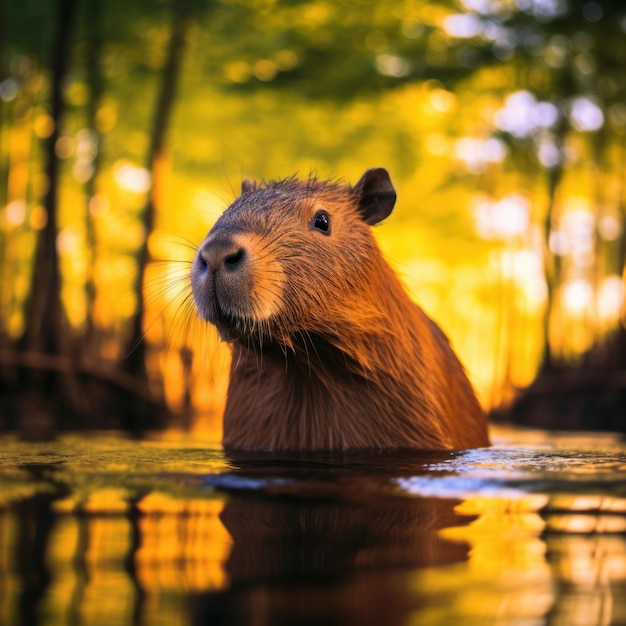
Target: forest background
{"x": 127, "y": 127}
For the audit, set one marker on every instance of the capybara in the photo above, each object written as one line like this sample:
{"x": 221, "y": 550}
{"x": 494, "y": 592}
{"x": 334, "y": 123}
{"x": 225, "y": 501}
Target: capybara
{"x": 328, "y": 350}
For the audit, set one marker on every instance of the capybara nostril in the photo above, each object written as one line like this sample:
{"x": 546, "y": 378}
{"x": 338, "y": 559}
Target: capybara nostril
{"x": 201, "y": 262}
{"x": 233, "y": 262}
{"x": 220, "y": 254}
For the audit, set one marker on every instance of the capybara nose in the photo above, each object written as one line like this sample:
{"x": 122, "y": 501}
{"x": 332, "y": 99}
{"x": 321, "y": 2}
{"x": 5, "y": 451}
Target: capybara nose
{"x": 221, "y": 255}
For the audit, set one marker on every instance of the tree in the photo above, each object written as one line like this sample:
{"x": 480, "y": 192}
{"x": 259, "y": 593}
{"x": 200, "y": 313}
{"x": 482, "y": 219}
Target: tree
{"x": 44, "y": 330}
{"x": 136, "y": 361}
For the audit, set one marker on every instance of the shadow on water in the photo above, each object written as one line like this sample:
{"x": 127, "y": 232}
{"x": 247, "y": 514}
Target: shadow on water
{"x": 103, "y": 530}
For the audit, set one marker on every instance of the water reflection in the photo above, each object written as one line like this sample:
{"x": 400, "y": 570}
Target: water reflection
{"x": 115, "y": 532}
{"x": 296, "y": 561}
{"x": 243, "y": 558}
{"x": 183, "y": 545}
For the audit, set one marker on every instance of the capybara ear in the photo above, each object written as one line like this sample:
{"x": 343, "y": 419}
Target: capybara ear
{"x": 247, "y": 185}
{"x": 375, "y": 195}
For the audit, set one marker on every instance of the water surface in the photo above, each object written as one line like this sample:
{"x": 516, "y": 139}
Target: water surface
{"x": 100, "y": 529}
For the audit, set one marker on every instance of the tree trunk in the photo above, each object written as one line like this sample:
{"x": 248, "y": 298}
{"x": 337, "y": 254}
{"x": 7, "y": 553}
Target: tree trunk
{"x": 96, "y": 88}
{"x": 136, "y": 349}
{"x": 554, "y": 176}
{"x": 44, "y": 323}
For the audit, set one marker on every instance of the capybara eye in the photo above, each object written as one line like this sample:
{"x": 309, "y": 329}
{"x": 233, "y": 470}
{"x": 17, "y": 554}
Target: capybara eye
{"x": 321, "y": 222}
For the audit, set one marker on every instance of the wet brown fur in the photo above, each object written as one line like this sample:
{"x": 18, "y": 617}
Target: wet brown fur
{"x": 329, "y": 351}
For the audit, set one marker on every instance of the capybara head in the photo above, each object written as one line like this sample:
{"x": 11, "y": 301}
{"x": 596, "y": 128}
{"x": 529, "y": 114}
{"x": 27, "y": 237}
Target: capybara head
{"x": 289, "y": 256}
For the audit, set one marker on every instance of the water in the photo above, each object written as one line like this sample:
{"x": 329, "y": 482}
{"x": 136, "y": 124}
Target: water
{"x": 105, "y": 530}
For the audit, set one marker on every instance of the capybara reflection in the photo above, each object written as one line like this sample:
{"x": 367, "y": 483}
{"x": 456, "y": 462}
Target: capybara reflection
{"x": 329, "y": 352}
{"x": 310, "y": 561}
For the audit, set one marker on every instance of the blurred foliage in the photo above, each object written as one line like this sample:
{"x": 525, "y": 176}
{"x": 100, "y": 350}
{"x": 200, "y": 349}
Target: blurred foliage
{"x": 502, "y": 123}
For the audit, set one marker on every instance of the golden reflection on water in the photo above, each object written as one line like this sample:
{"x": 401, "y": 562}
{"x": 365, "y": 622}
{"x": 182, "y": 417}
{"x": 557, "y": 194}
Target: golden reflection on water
{"x": 507, "y": 573}
{"x": 86, "y": 558}
{"x": 97, "y": 575}
{"x": 184, "y": 545}
{"x": 107, "y": 568}
{"x": 137, "y": 536}
{"x": 591, "y": 576}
